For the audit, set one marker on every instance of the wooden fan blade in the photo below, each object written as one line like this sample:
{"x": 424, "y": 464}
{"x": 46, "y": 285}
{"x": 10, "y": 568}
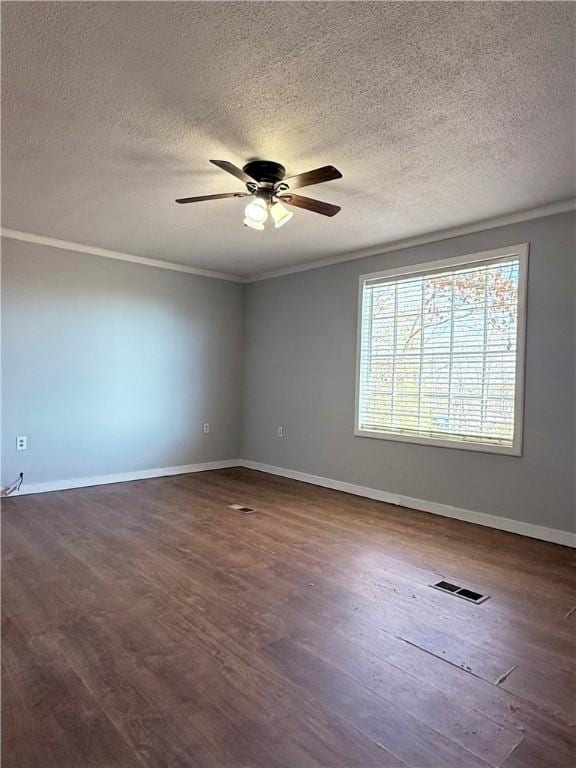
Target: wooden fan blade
{"x": 317, "y": 206}
{"x": 212, "y": 197}
{"x": 234, "y": 170}
{"x": 317, "y": 176}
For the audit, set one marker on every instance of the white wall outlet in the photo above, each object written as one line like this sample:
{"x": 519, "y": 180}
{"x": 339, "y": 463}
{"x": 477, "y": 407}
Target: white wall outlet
{"x": 22, "y": 442}
{"x": 206, "y": 428}
{"x": 280, "y": 431}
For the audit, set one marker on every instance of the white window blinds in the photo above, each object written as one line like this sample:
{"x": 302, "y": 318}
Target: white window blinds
{"x": 440, "y": 357}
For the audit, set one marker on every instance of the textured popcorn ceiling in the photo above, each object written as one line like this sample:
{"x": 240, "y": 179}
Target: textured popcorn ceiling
{"x": 437, "y": 114}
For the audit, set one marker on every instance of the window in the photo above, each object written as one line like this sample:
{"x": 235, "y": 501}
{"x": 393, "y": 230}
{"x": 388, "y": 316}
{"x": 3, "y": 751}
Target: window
{"x": 441, "y": 352}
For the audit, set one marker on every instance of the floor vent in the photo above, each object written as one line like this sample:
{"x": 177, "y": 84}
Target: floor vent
{"x": 243, "y": 509}
{"x": 465, "y": 594}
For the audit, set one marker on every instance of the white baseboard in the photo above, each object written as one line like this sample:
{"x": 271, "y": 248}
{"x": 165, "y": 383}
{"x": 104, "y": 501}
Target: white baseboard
{"x": 123, "y": 477}
{"x": 553, "y": 535}
{"x": 479, "y": 518}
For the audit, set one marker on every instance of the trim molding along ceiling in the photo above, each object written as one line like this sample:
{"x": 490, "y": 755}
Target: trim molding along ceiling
{"x": 553, "y": 535}
{"x": 432, "y": 237}
{"x": 65, "y": 245}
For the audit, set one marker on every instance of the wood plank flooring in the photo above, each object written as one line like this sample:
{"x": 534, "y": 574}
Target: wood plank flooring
{"x": 148, "y": 625}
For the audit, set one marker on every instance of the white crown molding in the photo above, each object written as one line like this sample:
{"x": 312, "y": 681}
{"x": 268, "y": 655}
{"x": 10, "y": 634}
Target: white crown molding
{"x": 51, "y": 242}
{"x": 431, "y": 237}
{"x": 123, "y": 477}
{"x": 554, "y": 535}
{"x": 398, "y": 245}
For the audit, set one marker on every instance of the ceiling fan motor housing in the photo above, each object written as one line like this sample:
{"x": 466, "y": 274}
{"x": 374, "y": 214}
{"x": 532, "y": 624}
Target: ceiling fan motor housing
{"x": 265, "y": 171}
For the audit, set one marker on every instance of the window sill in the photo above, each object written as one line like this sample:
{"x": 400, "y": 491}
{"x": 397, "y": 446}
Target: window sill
{"x": 506, "y": 450}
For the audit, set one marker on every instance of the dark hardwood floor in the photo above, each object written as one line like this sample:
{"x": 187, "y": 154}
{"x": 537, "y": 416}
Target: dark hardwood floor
{"x": 147, "y": 625}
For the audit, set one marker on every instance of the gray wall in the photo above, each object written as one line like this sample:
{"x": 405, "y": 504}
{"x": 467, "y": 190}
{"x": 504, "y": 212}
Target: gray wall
{"x": 300, "y": 372}
{"x": 111, "y": 367}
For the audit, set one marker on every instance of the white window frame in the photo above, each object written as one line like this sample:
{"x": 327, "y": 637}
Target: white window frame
{"x": 500, "y": 254}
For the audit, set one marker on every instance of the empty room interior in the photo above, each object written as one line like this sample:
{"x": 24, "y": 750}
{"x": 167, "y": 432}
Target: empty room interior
{"x": 288, "y": 384}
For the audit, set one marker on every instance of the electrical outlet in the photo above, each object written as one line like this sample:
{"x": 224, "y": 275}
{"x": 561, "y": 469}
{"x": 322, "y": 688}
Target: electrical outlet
{"x": 206, "y": 428}
{"x": 21, "y": 442}
{"x": 280, "y": 431}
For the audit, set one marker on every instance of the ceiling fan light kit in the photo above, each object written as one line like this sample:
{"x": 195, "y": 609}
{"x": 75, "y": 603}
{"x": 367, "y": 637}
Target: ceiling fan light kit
{"x": 267, "y": 184}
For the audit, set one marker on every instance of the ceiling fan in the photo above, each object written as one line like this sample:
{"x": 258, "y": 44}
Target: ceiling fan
{"x": 266, "y": 183}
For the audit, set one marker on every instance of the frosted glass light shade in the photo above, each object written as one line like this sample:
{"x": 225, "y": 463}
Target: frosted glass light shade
{"x": 280, "y": 215}
{"x": 257, "y": 211}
